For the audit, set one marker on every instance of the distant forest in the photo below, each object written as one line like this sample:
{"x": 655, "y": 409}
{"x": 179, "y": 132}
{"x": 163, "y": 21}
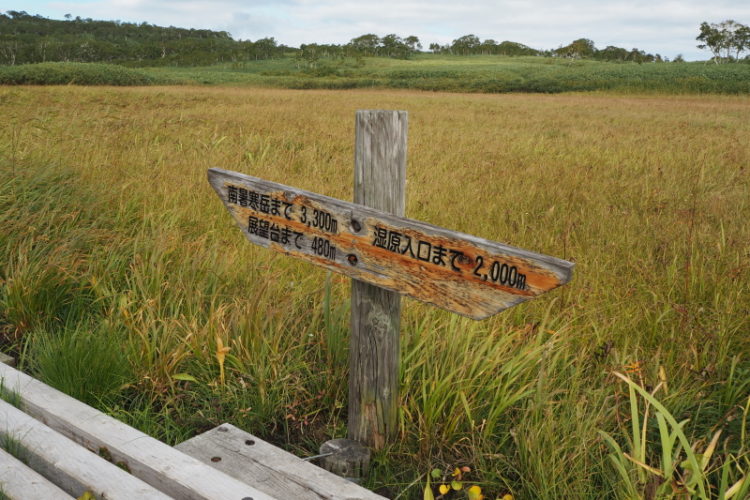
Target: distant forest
{"x": 26, "y": 38}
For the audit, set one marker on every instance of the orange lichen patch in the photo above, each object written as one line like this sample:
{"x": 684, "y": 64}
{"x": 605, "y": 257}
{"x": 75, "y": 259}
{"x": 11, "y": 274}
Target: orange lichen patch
{"x": 455, "y": 271}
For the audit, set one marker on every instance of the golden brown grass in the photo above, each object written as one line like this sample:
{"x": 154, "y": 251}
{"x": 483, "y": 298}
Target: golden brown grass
{"x": 649, "y": 195}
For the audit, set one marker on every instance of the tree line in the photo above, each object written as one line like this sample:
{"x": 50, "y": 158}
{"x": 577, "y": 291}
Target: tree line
{"x": 26, "y": 38}
{"x": 583, "y": 48}
{"x": 369, "y": 45}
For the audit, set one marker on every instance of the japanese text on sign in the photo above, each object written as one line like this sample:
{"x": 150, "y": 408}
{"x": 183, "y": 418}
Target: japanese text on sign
{"x": 459, "y": 272}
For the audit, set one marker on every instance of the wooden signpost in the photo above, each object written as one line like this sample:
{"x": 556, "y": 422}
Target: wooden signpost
{"x": 386, "y": 254}
{"x": 464, "y": 274}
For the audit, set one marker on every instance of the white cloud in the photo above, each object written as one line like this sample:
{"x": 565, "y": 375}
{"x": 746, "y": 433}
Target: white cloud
{"x": 668, "y": 27}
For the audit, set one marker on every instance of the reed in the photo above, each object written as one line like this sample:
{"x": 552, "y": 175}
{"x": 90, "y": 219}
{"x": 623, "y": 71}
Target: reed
{"x": 114, "y": 246}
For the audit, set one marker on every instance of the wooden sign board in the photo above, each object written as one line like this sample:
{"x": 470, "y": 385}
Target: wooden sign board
{"x": 464, "y": 274}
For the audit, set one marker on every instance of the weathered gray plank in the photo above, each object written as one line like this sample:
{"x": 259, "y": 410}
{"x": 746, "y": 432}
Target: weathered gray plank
{"x": 379, "y": 183}
{"x": 273, "y": 470}
{"x": 152, "y": 461}
{"x": 18, "y": 481}
{"x": 71, "y": 467}
{"x": 465, "y": 274}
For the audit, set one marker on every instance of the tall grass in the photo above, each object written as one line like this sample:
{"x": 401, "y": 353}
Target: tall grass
{"x": 114, "y": 246}
{"x": 480, "y": 74}
{"x": 475, "y": 74}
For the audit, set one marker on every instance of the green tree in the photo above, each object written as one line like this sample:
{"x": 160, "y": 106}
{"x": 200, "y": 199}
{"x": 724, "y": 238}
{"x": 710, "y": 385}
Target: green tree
{"x": 465, "y": 45}
{"x": 489, "y": 46}
{"x": 508, "y": 48}
{"x": 612, "y": 53}
{"x": 393, "y": 46}
{"x": 30, "y": 39}
{"x": 724, "y": 40}
{"x": 413, "y": 43}
{"x": 309, "y": 54}
{"x": 741, "y": 40}
{"x": 578, "y": 49}
{"x": 366, "y": 44}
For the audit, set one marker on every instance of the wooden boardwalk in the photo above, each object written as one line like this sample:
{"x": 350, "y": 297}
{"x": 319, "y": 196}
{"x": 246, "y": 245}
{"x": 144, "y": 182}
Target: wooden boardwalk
{"x": 70, "y": 448}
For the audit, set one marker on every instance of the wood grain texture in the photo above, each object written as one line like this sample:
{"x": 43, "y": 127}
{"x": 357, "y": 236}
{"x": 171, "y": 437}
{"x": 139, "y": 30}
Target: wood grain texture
{"x": 374, "y": 343}
{"x": 153, "y": 462}
{"x": 380, "y": 160}
{"x": 271, "y": 469}
{"x": 18, "y": 481}
{"x": 448, "y": 269}
{"x": 68, "y": 465}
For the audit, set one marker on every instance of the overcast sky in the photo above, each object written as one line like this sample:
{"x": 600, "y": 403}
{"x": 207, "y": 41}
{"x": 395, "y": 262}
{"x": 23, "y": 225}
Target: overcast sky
{"x": 665, "y": 27}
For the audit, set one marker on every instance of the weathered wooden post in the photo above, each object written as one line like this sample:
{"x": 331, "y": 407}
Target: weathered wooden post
{"x": 386, "y": 254}
{"x": 380, "y": 183}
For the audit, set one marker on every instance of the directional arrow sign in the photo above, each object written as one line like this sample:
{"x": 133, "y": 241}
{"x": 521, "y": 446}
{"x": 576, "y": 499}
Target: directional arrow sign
{"x": 464, "y": 274}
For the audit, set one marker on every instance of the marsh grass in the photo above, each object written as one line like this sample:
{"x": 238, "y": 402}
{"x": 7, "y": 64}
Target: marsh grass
{"x": 10, "y": 395}
{"x": 475, "y": 74}
{"x": 9, "y": 442}
{"x": 94, "y": 368}
{"x": 114, "y": 246}
{"x": 478, "y": 74}
{"x": 14, "y": 447}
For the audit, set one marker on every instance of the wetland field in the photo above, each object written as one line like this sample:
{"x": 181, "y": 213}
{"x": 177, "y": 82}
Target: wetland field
{"x": 122, "y": 277}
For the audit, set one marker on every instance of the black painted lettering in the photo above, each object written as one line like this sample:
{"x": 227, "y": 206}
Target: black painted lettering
{"x": 263, "y": 228}
{"x": 521, "y": 282}
{"x": 424, "y": 248}
{"x": 252, "y": 225}
{"x": 408, "y": 247}
{"x": 480, "y": 263}
{"x": 503, "y": 274}
{"x": 512, "y": 275}
{"x": 323, "y": 248}
{"x": 381, "y": 237}
{"x": 287, "y": 210}
{"x": 252, "y": 200}
{"x": 495, "y": 271}
{"x": 439, "y": 253}
{"x": 315, "y": 217}
{"x": 275, "y": 206}
{"x": 284, "y": 236}
{"x": 232, "y": 194}
{"x": 243, "y": 197}
{"x": 274, "y": 233}
{"x": 265, "y": 204}
{"x": 394, "y": 241}
{"x": 455, "y": 254}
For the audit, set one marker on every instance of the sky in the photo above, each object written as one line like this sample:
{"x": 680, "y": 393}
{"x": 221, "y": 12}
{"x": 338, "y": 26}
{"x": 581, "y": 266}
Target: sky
{"x": 664, "y": 27}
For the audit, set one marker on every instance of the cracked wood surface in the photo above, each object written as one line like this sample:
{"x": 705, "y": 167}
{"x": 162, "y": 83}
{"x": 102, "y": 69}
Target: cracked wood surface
{"x": 458, "y": 272}
{"x": 375, "y": 337}
{"x": 72, "y": 468}
{"x": 270, "y": 469}
{"x": 18, "y": 480}
{"x": 156, "y": 464}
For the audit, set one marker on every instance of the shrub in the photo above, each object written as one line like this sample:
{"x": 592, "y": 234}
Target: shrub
{"x": 64, "y": 73}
